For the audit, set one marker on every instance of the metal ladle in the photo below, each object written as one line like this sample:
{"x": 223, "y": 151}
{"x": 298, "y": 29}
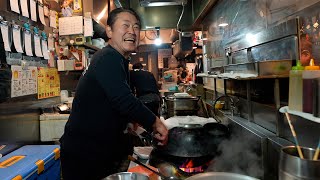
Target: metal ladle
{"x": 156, "y": 172}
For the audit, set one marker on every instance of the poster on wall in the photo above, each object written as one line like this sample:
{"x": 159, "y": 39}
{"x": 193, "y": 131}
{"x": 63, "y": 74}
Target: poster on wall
{"x": 24, "y": 81}
{"x": 48, "y": 83}
{"x": 164, "y": 55}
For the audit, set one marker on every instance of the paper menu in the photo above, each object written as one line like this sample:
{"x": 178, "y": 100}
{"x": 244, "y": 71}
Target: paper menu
{"x": 24, "y": 8}
{"x": 70, "y": 25}
{"x": 48, "y": 83}
{"x": 88, "y": 27}
{"x": 32, "y": 80}
{"x": 16, "y": 81}
{"x": 41, "y": 14}
{"x": 17, "y": 41}
{"x": 27, "y": 43}
{"x": 5, "y": 36}
{"x": 37, "y": 46}
{"x": 45, "y": 49}
{"x": 33, "y": 9}
{"x": 24, "y": 81}
{"x": 14, "y": 4}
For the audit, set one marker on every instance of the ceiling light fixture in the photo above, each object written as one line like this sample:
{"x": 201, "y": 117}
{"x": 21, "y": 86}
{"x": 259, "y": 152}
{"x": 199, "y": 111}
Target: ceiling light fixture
{"x": 222, "y": 22}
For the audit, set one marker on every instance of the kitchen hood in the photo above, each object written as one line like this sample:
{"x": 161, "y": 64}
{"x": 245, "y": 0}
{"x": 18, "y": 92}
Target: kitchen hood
{"x": 151, "y": 3}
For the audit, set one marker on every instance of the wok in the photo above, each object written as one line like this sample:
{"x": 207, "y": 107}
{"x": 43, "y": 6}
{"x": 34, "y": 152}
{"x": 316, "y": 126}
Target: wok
{"x": 194, "y": 140}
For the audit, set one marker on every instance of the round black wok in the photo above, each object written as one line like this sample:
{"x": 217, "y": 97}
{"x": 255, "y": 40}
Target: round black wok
{"x": 195, "y": 140}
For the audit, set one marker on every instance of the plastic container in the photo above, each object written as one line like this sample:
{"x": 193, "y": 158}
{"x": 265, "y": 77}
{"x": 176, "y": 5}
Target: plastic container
{"x": 295, "y": 87}
{"x": 311, "y": 72}
{"x": 31, "y": 162}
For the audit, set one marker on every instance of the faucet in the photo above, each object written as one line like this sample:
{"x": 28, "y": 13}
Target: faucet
{"x": 233, "y": 103}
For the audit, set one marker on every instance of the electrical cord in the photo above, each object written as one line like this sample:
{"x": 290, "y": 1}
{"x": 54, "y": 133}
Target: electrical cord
{"x": 183, "y": 4}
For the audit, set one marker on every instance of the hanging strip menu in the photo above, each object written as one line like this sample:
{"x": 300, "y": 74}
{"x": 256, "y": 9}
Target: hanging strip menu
{"x": 53, "y": 19}
{"x": 14, "y": 4}
{"x": 17, "y": 40}
{"x": 33, "y": 9}
{"x": 45, "y": 49}
{"x": 27, "y": 43}
{"x": 24, "y": 8}
{"x": 5, "y": 36}
{"x": 37, "y": 46}
{"x": 41, "y": 14}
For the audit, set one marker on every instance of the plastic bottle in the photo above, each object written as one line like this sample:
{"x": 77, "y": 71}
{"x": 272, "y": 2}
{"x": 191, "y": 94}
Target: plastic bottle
{"x": 295, "y": 87}
{"x": 309, "y": 74}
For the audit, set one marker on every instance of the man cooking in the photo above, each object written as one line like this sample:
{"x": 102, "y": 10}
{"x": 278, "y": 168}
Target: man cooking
{"x": 93, "y": 143}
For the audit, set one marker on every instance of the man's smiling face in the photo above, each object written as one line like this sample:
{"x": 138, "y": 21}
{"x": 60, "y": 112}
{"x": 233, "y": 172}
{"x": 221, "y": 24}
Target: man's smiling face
{"x": 124, "y": 34}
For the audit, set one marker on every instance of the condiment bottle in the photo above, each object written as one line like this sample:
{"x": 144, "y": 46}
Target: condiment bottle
{"x": 311, "y": 72}
{"x": 295, "y": 87}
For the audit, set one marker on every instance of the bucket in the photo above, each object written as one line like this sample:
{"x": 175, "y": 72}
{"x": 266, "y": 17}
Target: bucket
{"x": 292, "y": 167}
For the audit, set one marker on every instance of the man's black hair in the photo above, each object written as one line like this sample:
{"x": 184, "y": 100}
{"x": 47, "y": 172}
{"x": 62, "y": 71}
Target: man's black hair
{"x": 114, "y": 13}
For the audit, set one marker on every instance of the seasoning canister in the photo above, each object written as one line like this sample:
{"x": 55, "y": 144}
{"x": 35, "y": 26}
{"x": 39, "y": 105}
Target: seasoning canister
{"x": 311, "y": 72}
{"x": 316, "y": 99}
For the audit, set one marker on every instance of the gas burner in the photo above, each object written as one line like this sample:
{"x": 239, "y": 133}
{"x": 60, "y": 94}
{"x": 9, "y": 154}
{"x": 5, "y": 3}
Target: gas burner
{"x": 191, "y": 166}
{"x": 181, "y": 167}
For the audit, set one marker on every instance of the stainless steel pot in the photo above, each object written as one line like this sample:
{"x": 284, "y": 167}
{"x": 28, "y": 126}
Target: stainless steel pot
{"x": 220, "y": 176}
{"x": 291, "y": 167}
{"x": 127, "y": 176}
{"x": 181, "y": 105}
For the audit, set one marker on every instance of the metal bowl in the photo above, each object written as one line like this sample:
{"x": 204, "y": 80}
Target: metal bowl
{"x": 220, "y": 176}
{"x": 126, "y": 176}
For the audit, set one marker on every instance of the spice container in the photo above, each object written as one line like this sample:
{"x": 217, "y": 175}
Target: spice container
{"x": 295, "y": 87}
{"x": 311, "y": 72}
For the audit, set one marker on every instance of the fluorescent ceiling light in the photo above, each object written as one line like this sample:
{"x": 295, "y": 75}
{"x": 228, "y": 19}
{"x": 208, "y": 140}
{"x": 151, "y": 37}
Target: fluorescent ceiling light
{"x": 223, "y": 24}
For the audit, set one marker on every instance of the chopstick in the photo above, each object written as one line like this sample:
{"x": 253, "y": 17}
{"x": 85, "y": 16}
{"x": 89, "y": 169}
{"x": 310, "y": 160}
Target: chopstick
{"x": 294, "y": 136}
{"x": 316, "y": 154}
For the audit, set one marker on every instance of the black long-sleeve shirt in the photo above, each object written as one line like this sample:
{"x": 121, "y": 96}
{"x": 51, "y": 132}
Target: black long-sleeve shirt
{"x": 143, "y": 82}
{"x": 102, "y": 107}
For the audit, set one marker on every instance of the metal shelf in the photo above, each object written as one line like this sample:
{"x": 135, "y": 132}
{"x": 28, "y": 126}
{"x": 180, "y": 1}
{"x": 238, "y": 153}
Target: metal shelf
{"x": 299, "y": 113}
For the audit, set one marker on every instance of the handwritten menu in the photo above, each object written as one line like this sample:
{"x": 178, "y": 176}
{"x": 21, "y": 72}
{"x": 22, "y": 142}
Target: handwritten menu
{"x": 70, "y": 25}
{"x": 48, "y": 83}
{"x": 24, "y": 81}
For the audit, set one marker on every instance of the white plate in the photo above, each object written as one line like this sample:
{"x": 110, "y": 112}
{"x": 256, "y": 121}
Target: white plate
{"x": 143, "y": 152}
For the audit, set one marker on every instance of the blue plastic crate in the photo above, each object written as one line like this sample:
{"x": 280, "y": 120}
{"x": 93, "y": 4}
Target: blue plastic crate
{"x": 31, "y": 162}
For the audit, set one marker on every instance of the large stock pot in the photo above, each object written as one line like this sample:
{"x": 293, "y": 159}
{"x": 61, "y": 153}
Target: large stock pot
{"x": 181, "y": 106}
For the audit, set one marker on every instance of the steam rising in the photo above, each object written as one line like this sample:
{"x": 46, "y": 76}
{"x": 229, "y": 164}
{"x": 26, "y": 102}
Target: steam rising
{"x": 239, "y": 155}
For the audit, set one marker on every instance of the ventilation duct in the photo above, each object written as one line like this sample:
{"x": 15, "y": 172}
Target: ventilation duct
{"x": 151, "y": 3}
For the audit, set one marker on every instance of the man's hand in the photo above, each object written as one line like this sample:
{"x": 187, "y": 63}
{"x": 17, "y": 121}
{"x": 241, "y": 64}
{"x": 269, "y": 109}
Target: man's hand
{"x": 160, "y": 132}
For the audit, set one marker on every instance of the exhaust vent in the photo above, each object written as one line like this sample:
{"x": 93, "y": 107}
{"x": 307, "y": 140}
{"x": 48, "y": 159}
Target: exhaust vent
{"x": 183, "y": 46}
{"x": 151, "y": 3}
